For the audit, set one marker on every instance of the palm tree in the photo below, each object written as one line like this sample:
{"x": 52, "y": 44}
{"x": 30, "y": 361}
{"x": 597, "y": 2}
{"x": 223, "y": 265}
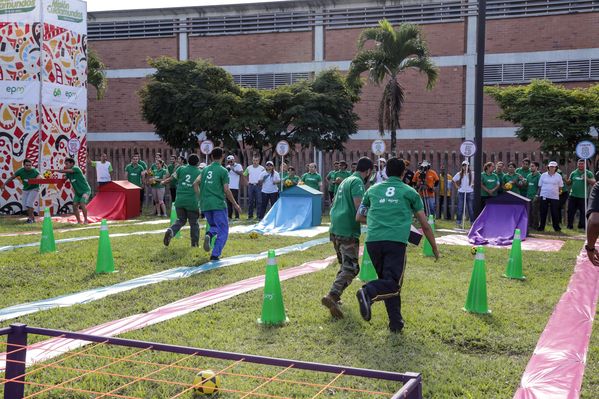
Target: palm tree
{"x": 396, "y": 50}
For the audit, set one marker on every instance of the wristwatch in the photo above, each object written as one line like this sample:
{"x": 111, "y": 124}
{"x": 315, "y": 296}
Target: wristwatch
{"x": 591, "y": 249}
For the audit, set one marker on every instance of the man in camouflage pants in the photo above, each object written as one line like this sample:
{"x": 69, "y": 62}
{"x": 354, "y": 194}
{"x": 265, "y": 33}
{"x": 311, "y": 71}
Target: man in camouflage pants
{"x": 345, "y": 233}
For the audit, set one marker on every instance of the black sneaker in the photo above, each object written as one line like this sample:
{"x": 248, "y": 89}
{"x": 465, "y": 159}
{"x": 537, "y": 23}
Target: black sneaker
{"x": 207, "y": 240}
{"x": 397, "y": 328}
{"x": 365, "y": 303}
{"x": 168, "y": 235}
{"x": 333, "y": 306}
{"x": 29, "y": 221}
{"x": 214, "y": 258}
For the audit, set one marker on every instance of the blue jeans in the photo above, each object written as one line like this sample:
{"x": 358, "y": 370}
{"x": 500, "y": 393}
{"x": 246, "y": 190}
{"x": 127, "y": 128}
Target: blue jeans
{"x": 255, "y": 199}
{"x": 430, "y": 206}
{"x": 219, "y": 226}
{"x": 469, "y": 209}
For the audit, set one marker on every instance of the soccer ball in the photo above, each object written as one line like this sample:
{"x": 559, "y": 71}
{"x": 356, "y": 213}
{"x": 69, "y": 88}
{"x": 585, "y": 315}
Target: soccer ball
{"x": 253, "y": 235}
{"x": 508, "y": 186}
{"x": 47, "y": 174}
{"x": 206, "y": 382}
{"x": 473, "y": 250}
{"x": 288, "y": 183}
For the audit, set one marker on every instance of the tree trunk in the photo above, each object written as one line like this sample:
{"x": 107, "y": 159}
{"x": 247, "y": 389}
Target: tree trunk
{"x": 393, "y": 148}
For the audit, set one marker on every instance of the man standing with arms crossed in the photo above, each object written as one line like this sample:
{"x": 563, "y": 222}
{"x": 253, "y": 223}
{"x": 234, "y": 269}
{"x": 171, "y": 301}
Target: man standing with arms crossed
{"x": 253, "y": 173}
{"x": 388, "y": 208}
{"x": 345, "y": 233}
{"x": 213, "y": 186}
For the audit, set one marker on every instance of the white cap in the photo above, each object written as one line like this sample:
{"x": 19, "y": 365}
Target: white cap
{"x": 382, "y": 160}
{"x": 230, "y": 158}
{"x": 465, "y": 163}
{"x": 552, "y": 163}
{"x": 425, "y": 163}
{"x": 270, "y": 163}
{"x": 202, "y": 165}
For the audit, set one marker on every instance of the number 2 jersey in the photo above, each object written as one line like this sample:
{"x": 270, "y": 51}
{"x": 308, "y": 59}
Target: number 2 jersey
{"x": 391, "y": 205}
{"x": 186, "y": 196}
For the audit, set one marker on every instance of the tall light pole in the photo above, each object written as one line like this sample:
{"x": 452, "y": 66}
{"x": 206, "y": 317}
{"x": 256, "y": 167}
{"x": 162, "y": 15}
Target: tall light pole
{"x": 478, "y": 102}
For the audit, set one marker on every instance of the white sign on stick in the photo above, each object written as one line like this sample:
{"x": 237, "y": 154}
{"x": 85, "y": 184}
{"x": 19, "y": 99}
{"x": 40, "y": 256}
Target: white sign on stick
{"x": 378, "y": 147}
{"x": 282, "y": 148}
{"x": 468, "y": 148}
{"x": 206, "y": 147}
{"x": 585, "y": 149}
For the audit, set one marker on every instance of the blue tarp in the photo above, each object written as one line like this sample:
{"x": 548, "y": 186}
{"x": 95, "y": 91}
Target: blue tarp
{"x": 287, "y": 214}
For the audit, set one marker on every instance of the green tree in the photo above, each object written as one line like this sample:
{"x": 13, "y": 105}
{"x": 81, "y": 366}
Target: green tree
{"x": 96, "y": 75}
{"x": 395, "y": 51}
{"x": 185, "y": 98}
{"x": 556, "y": 117}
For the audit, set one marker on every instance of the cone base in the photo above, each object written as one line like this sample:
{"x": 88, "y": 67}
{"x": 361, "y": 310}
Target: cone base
{"x": 514, "y": 278}
{"x": 472, "y": 311}
{"x": 273, "y": 324}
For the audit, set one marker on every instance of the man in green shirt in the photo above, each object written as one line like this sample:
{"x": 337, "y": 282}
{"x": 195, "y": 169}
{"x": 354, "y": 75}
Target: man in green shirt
{"x": 577, "y": 201}
{"x": 331, "y": 181}
{"x": 513, "y": 179}
{"x": 186, "y": 204}
{"x": 524, "y": 171}
{"x": 291, "y": 179}
{"x": 490, "y": 183}
{"x": 80, "y": 186}
{"x": 135, "y": 171}
{"x": 388, "y": 208}
{"x": 533, "y": 188}
{"x": 30, "y": 191}
{"x": 499, "y": 171}
{"x": 312, "y": 178}
{"x": 213, "y": 187}
{"x": 345, "y": 233}
{"x": 342, "y": 174}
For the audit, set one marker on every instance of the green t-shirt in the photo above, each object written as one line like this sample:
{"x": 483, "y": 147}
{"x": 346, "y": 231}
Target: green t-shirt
{"x": 78, "y": 181}
{"x": 343, "y": 212}
{"x": 524, "y": 173}
{"x": 490, "y": 181}
{"x": 343, "y": 174}
{"x": 312, "y": 180}
{"x": 25, "y": 175}
{"x": 514, "y": 179}
{"x": 186, "y": 196}
{"x": 331, "y": 180}
{"x": 171, "y": 169}
{"x": 577, "y": 178}
{"x": 391, "y": 205}
{"x": 142, "y": 163}
{"x": 212, "y": 191}
{"x": 533, "y": 184}
{"x": 295, "y": 180}
{"x": 500, "y": 175}
{"x": 159, "y": 174}
{"x": 134, "y": 173}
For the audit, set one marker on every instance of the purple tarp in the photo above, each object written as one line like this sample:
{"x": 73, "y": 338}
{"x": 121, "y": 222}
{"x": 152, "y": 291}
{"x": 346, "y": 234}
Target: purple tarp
{"x": 497, "y": 222}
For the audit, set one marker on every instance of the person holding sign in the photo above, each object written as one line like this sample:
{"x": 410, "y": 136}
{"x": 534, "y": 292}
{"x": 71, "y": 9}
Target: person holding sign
{"x": 80, "y": 186}
{"x": 577, "y": 201}
{"x": 270, "y": 179}
{"x": 345, "y": 233}
{"x": 30, "y": 191}
{"x": 312, "y": 178}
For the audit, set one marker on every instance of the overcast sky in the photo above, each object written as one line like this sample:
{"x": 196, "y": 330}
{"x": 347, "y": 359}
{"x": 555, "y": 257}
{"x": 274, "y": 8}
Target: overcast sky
{"x": 102, "y": 5}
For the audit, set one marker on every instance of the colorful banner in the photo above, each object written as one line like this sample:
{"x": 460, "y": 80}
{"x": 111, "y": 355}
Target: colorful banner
{"x": 43, "y": 92}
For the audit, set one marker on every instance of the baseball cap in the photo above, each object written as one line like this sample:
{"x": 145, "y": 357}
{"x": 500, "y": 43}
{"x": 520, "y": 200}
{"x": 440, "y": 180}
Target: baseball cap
{"x": 230, "y": 158}
{"x": 465, "y": 163}
{"x": 425, "y": 163}
{"x": 382, "y": 160}
{"x": 552, "y": 163}
{"x": 202, "y": 165}
{"x": 270, "y": 163}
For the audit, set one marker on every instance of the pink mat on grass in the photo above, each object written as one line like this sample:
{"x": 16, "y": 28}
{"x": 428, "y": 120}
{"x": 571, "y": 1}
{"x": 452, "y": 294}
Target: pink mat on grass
{"x": 556, "y": 367}
{"x": 54, "y": 347}
{"x": 530, "y": 244}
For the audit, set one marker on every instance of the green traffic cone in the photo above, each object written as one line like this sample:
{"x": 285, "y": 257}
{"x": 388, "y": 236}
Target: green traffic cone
{"x": 47, "y": 243}
{"x": 174, "y": 219}
{"x": 427, "y": 249}
{"x": 367, "y": 271}
{"x": 476, "y": 302}
{"x": 514, "y": 264}
{"x": 105, "y": 261}
{"x": 273, "y": 311}
{"x": 213, "y": 240}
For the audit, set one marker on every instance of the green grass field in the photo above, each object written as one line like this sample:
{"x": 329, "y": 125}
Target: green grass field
{"x": 460, "y": 355}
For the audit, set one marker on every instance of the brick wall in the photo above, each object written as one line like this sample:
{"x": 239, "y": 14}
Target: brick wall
{"x": 556, "y": 32}
{"x": 133, "y": 53}
{"x": 263, "y": 48}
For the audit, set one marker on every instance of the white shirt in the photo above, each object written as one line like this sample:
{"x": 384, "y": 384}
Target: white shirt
{"x": 235, "y": 177}
{"x": 550, "y": 185}
{"x": 254, "y": 173}
{"x": 381, "y": 176}
{"x": 269, "y": 182}
{"x": 102, "y": 171}
{"x": 465, "y": 187}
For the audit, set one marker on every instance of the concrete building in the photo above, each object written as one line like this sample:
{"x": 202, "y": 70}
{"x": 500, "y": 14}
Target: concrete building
{"x": 268, "y": 44}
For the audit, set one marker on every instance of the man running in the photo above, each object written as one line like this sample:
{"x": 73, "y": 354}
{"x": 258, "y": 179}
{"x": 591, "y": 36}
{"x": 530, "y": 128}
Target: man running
{"x": 388, "y": 207}
{"x": 80, "y": 186}
{"x": 213, "y": 186}
{"x": 345, "y": 233}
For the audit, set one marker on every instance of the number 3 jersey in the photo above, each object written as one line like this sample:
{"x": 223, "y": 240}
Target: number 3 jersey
{"x": 212, "y": 187}
{"x": 391, "y": 205}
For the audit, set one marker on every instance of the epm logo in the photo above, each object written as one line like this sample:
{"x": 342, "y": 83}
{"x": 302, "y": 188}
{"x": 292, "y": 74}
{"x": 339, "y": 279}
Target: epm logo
{"x": 68, "y": 94}
{"x": 12, "y": 90}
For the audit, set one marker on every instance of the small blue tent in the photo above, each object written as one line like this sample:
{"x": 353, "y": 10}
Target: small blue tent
{"x": 298, "y": 207}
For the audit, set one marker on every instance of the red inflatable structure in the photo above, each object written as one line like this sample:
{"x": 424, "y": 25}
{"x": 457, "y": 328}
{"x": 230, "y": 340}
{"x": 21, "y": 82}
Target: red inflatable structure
{"x": 117, "y": 200}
